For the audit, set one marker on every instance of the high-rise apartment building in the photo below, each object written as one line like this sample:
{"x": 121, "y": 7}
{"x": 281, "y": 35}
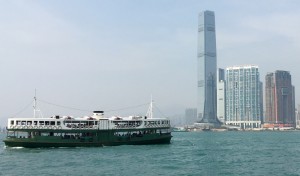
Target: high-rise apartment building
{"x": 221, "y": 95}
{"x": 207, "y": 68}
{"x": 280, "y": 100}
{"x": 243, "y": 96}
{"x": 190, "y": 116}
{"x": 298, "y": 117}
{"x": 261, "y": 101}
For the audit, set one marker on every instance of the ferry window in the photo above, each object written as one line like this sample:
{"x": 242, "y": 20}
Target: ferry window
{"x": 23, "y": 122}
{"x": 35, "y": 122}
{"x": 158, "y": 122}
{"x": 68, "y": 121}
{"x": 58, "y": 123}
{"x": 18, "y": 122}
{"x": 29, "y": 122}
{"x": 91, "y": 123}
{"x": 96, "y": 122}
{"x": 41, "y": 122}
{"x": 52, "y": 122}
{"x": 12, "y": 122}
{"x": 46, "y": 122}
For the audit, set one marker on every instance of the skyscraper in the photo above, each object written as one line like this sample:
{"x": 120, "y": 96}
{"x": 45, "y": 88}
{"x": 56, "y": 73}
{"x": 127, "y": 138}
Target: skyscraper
{"x": 243, "y": 96}
{"x": 207, "y": 68}
{"x": 221, "y": 95}
{"x": 190, "y": 116}
{"x": 298, "y": 117}
{"x": 280, "y": 100}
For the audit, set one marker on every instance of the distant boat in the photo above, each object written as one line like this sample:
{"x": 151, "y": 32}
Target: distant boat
{"x": 206, "y": 129}
{"x": 179, "y": 129}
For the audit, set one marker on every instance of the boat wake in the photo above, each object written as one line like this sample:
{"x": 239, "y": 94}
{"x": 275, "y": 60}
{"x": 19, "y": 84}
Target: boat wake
{"x": 5, "y": 147}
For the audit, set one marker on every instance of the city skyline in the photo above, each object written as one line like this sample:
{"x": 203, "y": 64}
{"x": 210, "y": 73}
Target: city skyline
{"x": 111, "y": 54}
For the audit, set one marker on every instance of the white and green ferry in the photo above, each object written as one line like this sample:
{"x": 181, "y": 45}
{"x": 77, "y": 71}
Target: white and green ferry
{"x": 89, "y": 131}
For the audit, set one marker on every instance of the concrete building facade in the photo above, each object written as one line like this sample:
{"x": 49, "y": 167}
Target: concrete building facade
{"x": 243, "y": 97}
{"x": 190, "y": 116}
{"x": 221, "y": 96}
{"x": 280, "y": 100}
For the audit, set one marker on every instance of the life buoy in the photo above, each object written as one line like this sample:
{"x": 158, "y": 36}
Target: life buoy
{"x": 59, "y": 127}
{"x": 30, "y": 127}
{"x": 54, "y": 127}
{"x": 40, "y": 127}
{"x": 35, "y": 127}
{"x": 25, "y": 127}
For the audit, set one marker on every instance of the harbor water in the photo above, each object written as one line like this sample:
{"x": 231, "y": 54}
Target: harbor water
{"x": 190, "y": 153}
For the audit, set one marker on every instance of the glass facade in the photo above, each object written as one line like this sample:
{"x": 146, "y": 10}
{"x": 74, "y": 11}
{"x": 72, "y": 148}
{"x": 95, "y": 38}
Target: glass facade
{"x": 243, "y": 96}
{"x": 207, "y": 68}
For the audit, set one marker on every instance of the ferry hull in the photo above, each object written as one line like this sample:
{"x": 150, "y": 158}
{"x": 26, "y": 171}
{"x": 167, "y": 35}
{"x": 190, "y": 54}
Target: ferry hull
{"x": 30, "y": 143}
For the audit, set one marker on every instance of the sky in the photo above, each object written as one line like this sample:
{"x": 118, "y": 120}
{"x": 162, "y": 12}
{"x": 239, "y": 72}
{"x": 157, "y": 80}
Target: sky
{"x": 113, "y": 54}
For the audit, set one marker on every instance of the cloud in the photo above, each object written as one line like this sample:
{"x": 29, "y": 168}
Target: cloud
{"x": 278, "y": 24}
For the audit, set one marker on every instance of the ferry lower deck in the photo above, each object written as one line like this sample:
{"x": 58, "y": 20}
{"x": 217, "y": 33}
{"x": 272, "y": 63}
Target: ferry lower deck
{"x": 86, "y": 138}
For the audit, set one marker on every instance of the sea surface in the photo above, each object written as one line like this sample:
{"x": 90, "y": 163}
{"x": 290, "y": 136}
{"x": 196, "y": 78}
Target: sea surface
{"x": 190, "y": 153}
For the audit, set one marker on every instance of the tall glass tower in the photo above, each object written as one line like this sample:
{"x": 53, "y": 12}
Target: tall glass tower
{"x": 207, "y": 69}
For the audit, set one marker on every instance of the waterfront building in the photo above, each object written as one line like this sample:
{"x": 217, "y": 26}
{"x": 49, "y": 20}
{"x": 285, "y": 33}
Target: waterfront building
{"x": 207, "y": 68}
{"x": 243, "y": 97}
{"x": 280, "y": 100}
{"x": 298, "y": 117}
{"x": 221, "y": 95}
{"x": 261, "y": 102}
{"x": 190, "y": 116}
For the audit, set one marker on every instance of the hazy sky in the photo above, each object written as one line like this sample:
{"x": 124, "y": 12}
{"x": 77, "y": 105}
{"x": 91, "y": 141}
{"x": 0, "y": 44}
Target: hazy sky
{"x": 102, "y": 55}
